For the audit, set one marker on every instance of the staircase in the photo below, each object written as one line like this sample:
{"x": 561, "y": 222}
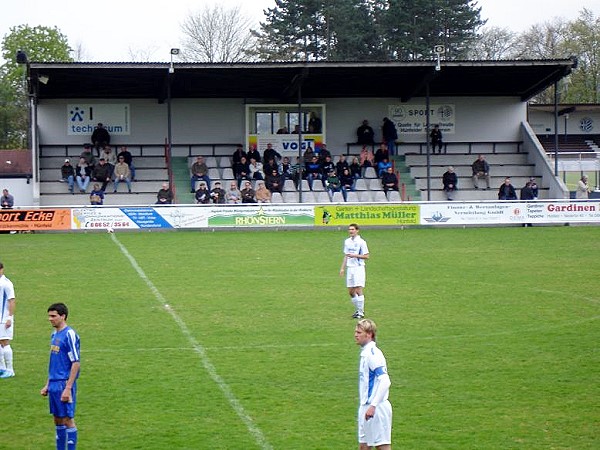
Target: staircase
{"x": 412, "y": 193}
{"x": 181, "y": 179}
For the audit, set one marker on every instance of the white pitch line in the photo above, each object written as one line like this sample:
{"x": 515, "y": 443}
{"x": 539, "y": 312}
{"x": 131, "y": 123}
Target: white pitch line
{"x": 199, "y": 349}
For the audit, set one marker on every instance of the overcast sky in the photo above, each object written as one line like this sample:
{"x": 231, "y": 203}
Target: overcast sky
{"x": 113, "y": 30}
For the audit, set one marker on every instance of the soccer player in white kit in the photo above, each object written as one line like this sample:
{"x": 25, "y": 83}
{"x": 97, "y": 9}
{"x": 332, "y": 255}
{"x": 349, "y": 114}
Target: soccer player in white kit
{"x": 374, "y": 411}
{"x": 7, "y": 324}
{"x": 356, "y": 253}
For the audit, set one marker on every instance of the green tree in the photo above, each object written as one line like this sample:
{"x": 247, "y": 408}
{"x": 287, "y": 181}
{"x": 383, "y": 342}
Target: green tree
{"x": 289, "y": 32}
{"x": 415, "y": 27}
{"x": 582, "y": 39}
{"x": 351, "y": 30}
{"x": 41, "y": 44}
{"x": 366, "y": 29}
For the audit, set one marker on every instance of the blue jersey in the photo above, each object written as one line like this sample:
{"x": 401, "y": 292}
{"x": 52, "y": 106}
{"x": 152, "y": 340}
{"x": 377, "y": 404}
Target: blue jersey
{"x": 64, "y": 351}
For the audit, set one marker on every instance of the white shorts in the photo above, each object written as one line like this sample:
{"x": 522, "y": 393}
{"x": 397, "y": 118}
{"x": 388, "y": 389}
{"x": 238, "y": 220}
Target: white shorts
{"x": 377, "y": 430}
{"x": 7, "y": 333}
{"x": 355, "y": 276}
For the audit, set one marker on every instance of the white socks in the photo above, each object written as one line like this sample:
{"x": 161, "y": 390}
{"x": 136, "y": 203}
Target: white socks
{"x": 360, "y": 303}
{"x": 6, "y": 358}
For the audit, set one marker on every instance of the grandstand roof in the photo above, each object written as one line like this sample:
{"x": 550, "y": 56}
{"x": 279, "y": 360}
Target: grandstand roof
{"x": 280, "y": 81}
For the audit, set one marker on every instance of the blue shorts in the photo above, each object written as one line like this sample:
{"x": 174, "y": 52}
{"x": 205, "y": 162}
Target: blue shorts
{"x": 59, "y": 408}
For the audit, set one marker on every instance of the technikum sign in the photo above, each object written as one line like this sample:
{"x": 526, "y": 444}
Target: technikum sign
{"x": 82, "y": 118}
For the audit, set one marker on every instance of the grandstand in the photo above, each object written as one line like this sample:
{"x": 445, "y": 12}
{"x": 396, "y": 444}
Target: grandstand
{"x": 205, "y": 108}
{"x": 151, "y": 172}
{"x": 502, "y": 165}
{"x": 367, "y": 189}
{"x": 411, "y": 167}
{"x": 586, "y": 144}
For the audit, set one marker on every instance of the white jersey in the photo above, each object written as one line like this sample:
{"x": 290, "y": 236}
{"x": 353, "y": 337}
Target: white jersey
{"x": 356, "y": 245}
{"x": 7, "y": 292}
{"x": 372, "y": 365}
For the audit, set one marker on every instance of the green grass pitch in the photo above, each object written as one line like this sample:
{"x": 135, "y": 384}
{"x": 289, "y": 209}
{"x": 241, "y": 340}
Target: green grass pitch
{"x": 491, "y": 337}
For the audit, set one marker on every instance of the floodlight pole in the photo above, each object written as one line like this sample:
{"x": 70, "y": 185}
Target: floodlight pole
{"x": 427, "y": 123}
{"x": 32, "y": 136}
{"x": 171, "y": 71}
{"x": 300, "y": 140}
{"x": 556, "y": 128}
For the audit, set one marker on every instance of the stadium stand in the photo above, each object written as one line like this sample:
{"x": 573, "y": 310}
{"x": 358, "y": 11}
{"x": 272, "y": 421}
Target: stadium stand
{"x": 514, "y": 165}
{"x": 151, "y": 172}
{"x": 572, "y": 143}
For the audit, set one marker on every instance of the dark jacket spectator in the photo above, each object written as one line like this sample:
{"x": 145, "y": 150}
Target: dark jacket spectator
{"x": 365, "y": 134}
{"x": 202, "y": 195}
{"x": 102, "y": 173}
{"x": 248, "y": 194}
{"x": 253, "y": 154}
{"x": 100, "y": 136}
{"x": 271, "y": 153}
{"x": 507, "y": 191}
{"x": 389, "y": 180}
{"x": 217, "y": 193}
{"x": 527, "y": 192}
{"x": 274, "y": 181}
{"x": 237, "y": 155}
{"x": 164, "y": 195}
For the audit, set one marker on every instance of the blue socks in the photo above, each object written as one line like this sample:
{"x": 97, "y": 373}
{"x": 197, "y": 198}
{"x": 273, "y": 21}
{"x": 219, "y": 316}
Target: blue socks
{"x": 71, "y": 438}
{"x": 66, "y": 438}
{"x": 61, "y": 437}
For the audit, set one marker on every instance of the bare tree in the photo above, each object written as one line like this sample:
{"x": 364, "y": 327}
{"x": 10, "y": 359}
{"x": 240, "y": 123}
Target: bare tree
{"x": 139, "y": 54}
{"x": 217, "y": 34}
{"x": 543, "y": 40}
{"x": 79, "y": 52}
{"x": 494, "y": 43}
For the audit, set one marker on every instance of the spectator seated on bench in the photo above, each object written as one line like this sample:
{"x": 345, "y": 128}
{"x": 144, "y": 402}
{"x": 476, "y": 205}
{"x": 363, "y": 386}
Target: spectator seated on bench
{"x": 199, "y": 172}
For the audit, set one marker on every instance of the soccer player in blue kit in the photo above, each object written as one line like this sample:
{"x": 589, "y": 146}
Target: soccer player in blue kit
{"x": 356, "y": 253}
{"x": 63, "y": 371}
{"x": 375, "y": 410}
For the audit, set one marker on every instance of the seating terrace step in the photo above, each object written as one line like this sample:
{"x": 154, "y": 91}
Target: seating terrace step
{"x": 119, "y": 199}
{"x": 466, "y": 159}
{"x": 151, "y": 162}
{"x": 472, "y": 194}
{"x": 55, "y": 187}
{"x": 505, "y": 170}
{"x": 140, "y": 174}
{"x": 467, "y": 182}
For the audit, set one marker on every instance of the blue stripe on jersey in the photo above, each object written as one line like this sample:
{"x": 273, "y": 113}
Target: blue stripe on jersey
{"x": 4, "y": 302}
{"x": 373, "y": 374}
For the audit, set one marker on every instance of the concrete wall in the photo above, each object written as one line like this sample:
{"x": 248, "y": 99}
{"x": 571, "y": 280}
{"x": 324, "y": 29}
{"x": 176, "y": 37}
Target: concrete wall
{"x": 578, "y": 122}
{"x": 223, "y": 121}
{"x": 20, "y": 188}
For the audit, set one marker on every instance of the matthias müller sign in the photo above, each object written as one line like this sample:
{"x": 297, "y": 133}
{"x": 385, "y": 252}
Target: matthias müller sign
{"x": 82, "y": 118}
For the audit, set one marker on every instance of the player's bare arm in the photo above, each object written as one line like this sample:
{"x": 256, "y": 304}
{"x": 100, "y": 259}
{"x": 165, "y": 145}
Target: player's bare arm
{"x": 343, "y": 265}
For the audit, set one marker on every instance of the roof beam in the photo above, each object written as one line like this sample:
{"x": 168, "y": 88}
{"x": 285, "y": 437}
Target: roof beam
{"x": 298, "y": 80}
{"x": 428, "y": 76}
